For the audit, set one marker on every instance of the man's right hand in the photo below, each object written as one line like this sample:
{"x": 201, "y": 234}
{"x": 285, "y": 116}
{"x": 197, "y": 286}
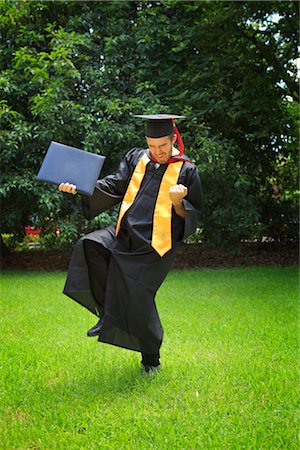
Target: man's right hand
{"x": 67, "y": 187}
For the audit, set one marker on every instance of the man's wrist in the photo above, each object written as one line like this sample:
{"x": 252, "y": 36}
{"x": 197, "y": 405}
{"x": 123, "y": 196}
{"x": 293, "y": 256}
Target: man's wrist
{"x": 178, "y": 205}
{"x": 179, "y": 210}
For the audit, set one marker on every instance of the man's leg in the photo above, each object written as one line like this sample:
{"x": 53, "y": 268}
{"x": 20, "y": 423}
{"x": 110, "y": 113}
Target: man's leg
{"x": 150, "y": 362}
{"x": 97, "y": 259}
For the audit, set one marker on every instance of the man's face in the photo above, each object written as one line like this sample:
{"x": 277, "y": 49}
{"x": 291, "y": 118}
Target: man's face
{"x": 161, "y": 148}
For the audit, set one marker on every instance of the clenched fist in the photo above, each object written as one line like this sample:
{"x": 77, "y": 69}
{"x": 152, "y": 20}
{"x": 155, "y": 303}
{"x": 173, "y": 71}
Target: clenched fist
{"x": 177, "y": 193}
{"x": 67, "y": 187}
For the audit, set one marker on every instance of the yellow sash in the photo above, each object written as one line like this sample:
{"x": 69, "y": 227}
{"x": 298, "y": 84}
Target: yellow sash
{"x": 162, "y": 232}
{"x": 133, "y": 188}
{"x": 162, "y": 223}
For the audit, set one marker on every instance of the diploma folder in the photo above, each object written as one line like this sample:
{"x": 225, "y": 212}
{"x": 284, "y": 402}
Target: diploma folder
{"x": 65, "y": 164}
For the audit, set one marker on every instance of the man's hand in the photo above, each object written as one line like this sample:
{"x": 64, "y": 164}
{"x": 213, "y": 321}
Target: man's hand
{"x": 177, "y": 194}
{"x": 67, "y": 187}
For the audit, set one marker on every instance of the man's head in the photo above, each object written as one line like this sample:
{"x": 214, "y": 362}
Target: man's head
{"x": 161, "y": 147}
{"x": 160, "y": 135}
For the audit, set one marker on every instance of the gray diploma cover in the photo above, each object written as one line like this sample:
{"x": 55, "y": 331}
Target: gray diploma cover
{"x": 65, "y": 164}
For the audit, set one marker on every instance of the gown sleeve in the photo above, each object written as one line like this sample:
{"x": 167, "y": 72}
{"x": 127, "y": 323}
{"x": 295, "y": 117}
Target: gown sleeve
{"x": 193, "y": 202}
{"x": 109, "y": 191}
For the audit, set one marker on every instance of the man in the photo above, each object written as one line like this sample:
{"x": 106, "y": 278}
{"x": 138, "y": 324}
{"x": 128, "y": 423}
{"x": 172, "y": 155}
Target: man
{"x": 116, "y": 272}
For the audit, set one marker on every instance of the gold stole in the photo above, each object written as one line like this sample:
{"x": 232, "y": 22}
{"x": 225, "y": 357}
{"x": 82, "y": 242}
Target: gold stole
{"x": 162, "y": 218}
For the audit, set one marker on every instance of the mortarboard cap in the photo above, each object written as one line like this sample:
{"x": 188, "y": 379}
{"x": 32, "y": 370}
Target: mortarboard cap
{"x": 159, "y": 125}
{"x": 65, "y": 164}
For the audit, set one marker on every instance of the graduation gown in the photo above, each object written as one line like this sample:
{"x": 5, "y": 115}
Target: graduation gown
{"x": 135, "y": 270}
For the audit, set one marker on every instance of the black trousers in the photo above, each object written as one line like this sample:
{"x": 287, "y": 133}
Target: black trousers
{"x": 97, "y": 259}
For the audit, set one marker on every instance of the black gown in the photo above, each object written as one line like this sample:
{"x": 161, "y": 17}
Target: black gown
{"x": 135, "y": 270}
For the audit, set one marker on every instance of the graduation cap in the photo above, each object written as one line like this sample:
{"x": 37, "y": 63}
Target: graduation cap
{"x": 159, "y": 125}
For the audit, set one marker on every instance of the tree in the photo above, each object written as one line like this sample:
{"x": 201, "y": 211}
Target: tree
{"x": 75, "y": 72}
{"x": 232, "y": 66}
{"x": 53, "y": 70}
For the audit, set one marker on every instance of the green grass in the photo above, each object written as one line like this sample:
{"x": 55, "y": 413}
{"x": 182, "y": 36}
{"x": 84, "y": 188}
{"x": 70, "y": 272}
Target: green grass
{"x": 229, "y": 367}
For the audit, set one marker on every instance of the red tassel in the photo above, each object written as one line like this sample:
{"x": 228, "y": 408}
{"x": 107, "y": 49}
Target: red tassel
{"x": 180, "y": 141}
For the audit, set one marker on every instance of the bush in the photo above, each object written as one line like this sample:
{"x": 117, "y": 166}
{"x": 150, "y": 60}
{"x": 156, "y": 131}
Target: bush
{"x": 230, "y": 213}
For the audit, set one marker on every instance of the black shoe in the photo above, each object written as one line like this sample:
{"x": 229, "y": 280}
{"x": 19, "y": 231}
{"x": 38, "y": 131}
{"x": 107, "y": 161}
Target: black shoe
{"x": 150, "y": 370}
{"x": 95, "y": 331}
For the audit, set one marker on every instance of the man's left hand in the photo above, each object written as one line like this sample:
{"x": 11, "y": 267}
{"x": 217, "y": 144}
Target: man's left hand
{"x": 177, "y": 193}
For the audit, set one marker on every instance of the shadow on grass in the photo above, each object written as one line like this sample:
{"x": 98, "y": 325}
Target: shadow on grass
{"x": 103, "y": 383}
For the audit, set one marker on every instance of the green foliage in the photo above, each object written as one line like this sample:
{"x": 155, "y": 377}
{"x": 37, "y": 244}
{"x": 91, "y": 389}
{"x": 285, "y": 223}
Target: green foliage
{"x": 230, "y": 213}
{"x": 61, "y": 239}
{"x": 233, "y": 67}
{"x": 75, "y": 72}
{"x": 7, "y": 239}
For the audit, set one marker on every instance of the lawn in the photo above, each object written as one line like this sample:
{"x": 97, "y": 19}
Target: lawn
{"x": 229, "y": 377}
